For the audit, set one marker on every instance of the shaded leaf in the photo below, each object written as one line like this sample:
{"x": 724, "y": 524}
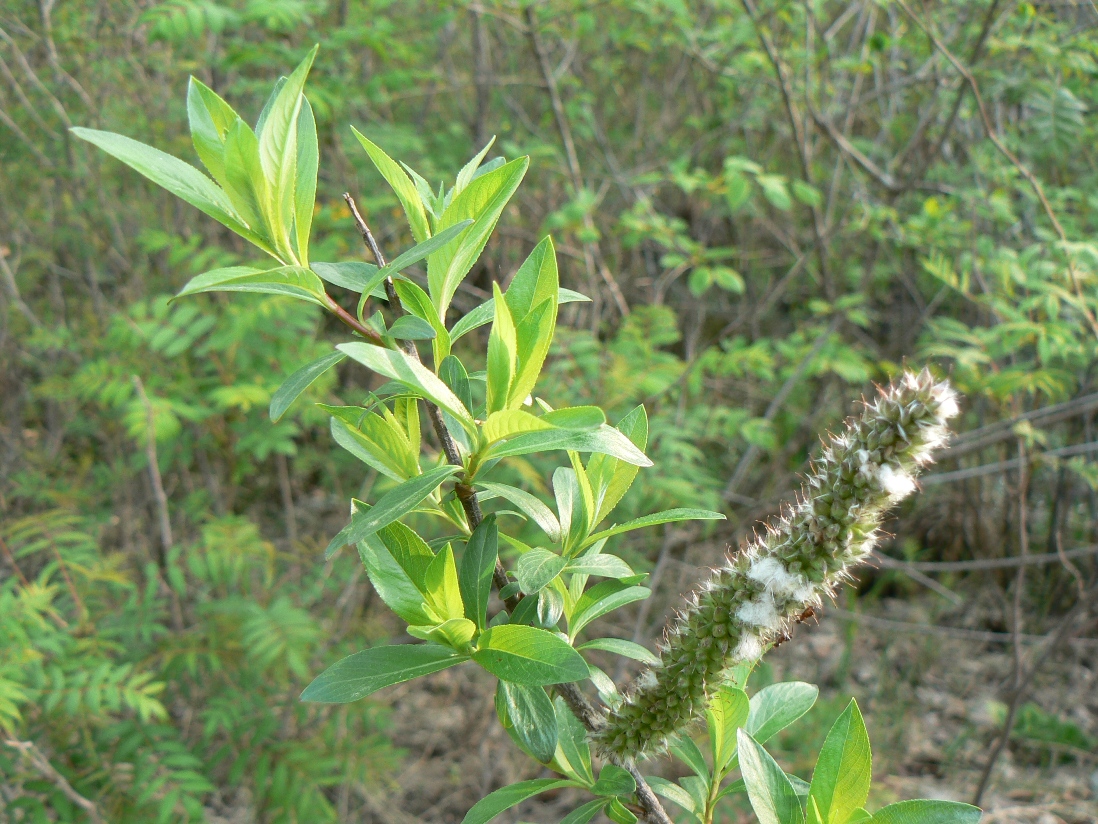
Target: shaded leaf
{"x": 363, "y": 673}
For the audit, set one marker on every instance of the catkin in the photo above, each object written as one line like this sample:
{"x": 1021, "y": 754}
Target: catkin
{"x": 761, "y": 590}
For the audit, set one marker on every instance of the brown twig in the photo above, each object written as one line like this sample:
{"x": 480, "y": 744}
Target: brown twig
{"x": 465, "y": 493}
{"x": 748, "y": 459}
{"x": 161, "y": 497}
{"x": 42, "y": 764}
{"x": 11, "y": 560}
{"x": 1018, "y": 670}
{"x": 353, "y": 322}
{"x": 797, "y": 125}
{"x": 1022, "y": 169}
{"x": 592, "y": 256}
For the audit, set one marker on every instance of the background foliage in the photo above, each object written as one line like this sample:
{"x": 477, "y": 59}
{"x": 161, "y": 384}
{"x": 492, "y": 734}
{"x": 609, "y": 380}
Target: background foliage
{"x": 772, "y": 205}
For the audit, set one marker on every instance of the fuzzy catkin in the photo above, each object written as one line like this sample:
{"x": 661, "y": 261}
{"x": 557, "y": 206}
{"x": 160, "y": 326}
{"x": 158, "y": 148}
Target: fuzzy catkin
{"x": 761, "y": 590}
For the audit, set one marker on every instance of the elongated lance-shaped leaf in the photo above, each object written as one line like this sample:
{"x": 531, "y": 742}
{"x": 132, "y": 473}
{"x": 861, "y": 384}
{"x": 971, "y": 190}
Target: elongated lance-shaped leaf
{"x": 772, "y": 796}
{"x": 308, "y": 164}
{"x": 181, "y": 179}
{"x": 278, "y": 149}
{"x": 392, "y": 505}
{"x": 210, "y": 119}
{"x": 765, "y": 586}
{"x": 512, "y": 795}
{"x": 840, "y": 782}
{"x": 402, "y": 185}
{"x": 483, "y": 314}
{"x": 423, "y": 249}
{"x": 301, "y": 380}
{"x": 483, "y": 200}
{"x": 363, "y": 673}
{"x": 478, "y": 562}
{"x": 288, "y": 281}
{"x": 400, "y": 367}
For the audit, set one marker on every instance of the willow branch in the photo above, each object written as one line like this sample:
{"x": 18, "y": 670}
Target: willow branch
{"x": 466, "y": 494}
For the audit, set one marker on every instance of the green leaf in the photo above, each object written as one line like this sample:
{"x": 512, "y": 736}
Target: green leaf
{"x": 418, "y": 303}
{"x": 380, "y": 443}
{"x": 614, "y": 780}
{"x": 605, "y": 566}
{"x": 506, "y": 423}
{"x": 397, "y": 583}
{"x": 246, "y": 185}
{"x": 181, "y": 179}
{"x": 483, "y": 314}
{"x": 922, "y": 811}
{"x": 400, "y": 367}
{"x": 210, "y": 119}
{"x": 483, "y": 200}
{"x": 530, "y": 506}
{"x": 772, "y": 796}
{"x": 570, "y": 506}
{"x": 453, "y": 374}
{"x": 688, "y": 753}
{"x": 665, "y": 517}
{"x": 409, "y": 327}
{"x": 299, "y": 381}
{"x": 611, "y": 478}
{"x": 601, "y": 599}
{"x": 475, "y": 570}
{"x": 441, "y": 586}
{"x": 619, "y": 646}
{"x": 354, "y": 275}
{"x": 394, "y": 504}
{"x": 455, "y": 633}
{"x": 423, "y": 249}
{"x": 840, "y": 782}
{"x": 402, "y": 185}
{"x": 582, "y": 815}
{"x": 288, "y": 281}
{"x": 775, "y": 707}
{"x": 532, "y": 299}
{"x": 576, "y": 418}
{"x": 363, "y": 673}
{"x": 738, "y": 189}
{"x": 308, "y": 163}
{"x": 537, "y": 568}
{"x": 673, "y": 793}
{"x": 773, "y": 188}
{"x": 606, "y": 439}
{"x": 527, "y": 714}
{"x": 507, "y": 797}
{"x": 800, "y": 787}
{"x": 528, "y": 655}
{"x": 727, "y": 712}
{"x": 278, "y": 150}
{"x": 619, "y": 813}
{"x": 502, "y": 355}
{"x": 806, "y": 194}
{"x": 469, "y": 170}
{"x": 409, "y": 550}
{"x": 572, "y": 747}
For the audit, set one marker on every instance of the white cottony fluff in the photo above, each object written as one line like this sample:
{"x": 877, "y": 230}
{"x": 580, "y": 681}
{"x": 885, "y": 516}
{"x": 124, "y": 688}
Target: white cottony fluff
{"x": 759, "y": 613}
{"x": 749, "y": 649}
{"x": 896, "y": 482}
{"x": 772, "y": 574}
